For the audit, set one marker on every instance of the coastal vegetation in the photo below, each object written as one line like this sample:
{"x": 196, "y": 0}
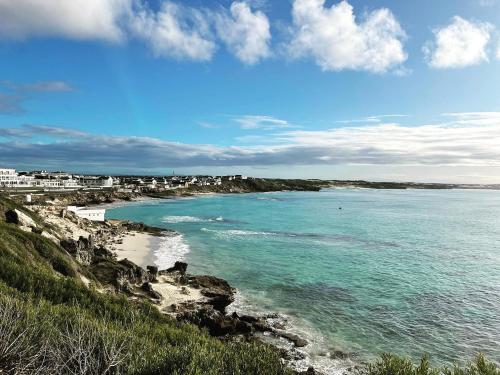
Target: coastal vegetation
{"x": 389, "y": 364}
{"x": 51, "y": 322}
{"x": 55, "y": 317}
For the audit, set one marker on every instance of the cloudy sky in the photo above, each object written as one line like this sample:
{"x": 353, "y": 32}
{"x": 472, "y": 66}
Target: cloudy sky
{"x": 372, "y": 89}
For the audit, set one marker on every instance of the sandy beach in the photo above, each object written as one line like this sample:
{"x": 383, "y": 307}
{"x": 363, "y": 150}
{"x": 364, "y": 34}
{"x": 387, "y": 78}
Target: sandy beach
{"x": 136, "y": 247}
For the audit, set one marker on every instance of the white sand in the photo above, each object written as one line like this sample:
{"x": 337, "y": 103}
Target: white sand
{"x": 175, "y": 294}
{"x": 136, "y": 247}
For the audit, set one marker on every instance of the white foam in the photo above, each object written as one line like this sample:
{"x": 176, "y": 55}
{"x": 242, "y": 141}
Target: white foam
{"x": 237, "y": 233}
{"x": 189, "y": 219}
{"x": 182, "y": 219}
{"x": 171, "y": 248}
{"x": 316, "y": 353}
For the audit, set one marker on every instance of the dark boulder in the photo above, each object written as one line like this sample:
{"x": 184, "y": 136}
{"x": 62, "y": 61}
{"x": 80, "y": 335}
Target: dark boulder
{"x": 218, "y": 291}
{"x": 153, "y": 270}
{"x": 103, "y": 253}
{"x": 134, "y": 273}
{"x": 11, "y": 217}
{"x": 70, "y": 245}
{"x": 216, "y": 322}
{"x": 111, "y": 272}
{"x": 148, "y": 288}
{"x": 180, "y": 267}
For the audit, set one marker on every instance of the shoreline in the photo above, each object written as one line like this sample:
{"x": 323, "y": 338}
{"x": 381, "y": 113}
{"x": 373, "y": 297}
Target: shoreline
{"x": 141, "y": 245}
{"x": 315, "y": 353}
{"x": 137, "y": 247}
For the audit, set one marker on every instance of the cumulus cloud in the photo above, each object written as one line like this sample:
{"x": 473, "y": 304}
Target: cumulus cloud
{"x": 460, "y": 44}
{"x": 247, "y": 34}
{"x": 467, "y": 139}
{"x": 336, "y": 40}
{"x": 261, "y": 122}
{"x": 176, "y": 31}
{"x": 75, "y": 19}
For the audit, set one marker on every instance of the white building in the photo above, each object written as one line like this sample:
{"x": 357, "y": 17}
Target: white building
{"x": 96, "y": 182}
{"x": 96, "y": 214}
{"x": 9, "y": 178}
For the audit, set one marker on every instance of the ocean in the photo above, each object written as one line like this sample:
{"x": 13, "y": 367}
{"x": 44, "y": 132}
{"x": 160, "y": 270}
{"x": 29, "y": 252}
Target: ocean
{"x": 357, "y": 272}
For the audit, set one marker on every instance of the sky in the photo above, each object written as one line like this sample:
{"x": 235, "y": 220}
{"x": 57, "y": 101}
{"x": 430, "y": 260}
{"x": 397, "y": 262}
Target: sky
{"x": 377, "y": 90}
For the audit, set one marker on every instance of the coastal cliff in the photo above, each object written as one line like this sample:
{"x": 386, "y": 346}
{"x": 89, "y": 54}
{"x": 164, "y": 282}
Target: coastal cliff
{"x": 58, "y": 267}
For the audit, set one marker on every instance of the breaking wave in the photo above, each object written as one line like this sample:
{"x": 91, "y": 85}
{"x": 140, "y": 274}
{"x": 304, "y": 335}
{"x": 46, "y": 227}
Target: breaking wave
{"x": 189, "y": 219}
{"x": 237, "y": 233}
{"x": 171, "y": 248}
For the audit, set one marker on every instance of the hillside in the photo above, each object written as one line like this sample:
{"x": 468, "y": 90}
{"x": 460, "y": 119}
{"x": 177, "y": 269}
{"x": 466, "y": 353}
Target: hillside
{"x": 63, "y": 316}
{"x": 51, "y": 322}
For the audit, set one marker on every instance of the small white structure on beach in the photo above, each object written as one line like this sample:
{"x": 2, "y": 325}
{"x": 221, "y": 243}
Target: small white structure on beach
{"x": 96, "y": 214}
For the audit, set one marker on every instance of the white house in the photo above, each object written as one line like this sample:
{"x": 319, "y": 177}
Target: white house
{"x": 10, "y": 178}
{"x": 96, "y": 214}
{"x": 96, "y": 182}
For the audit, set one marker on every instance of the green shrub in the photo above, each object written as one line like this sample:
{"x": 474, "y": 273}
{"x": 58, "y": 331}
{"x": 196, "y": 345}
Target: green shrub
{"x": 390, "y": 364}
{"x": 51, "y": 323}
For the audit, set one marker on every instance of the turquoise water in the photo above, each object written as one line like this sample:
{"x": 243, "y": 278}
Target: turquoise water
{"x": 410, "y": 272}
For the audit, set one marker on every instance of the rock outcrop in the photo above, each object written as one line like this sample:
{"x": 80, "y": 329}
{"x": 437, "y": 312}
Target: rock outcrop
{"x": 84, "y": 250}
{"x": 218, "y": 291}
{"x": 18, "y": 217}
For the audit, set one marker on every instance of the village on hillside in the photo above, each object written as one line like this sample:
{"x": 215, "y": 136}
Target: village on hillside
{"x": 10, "y": 179}
{"x": 40, "y": 182}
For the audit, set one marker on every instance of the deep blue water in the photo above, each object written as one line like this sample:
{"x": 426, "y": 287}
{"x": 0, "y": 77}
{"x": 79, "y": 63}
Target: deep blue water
{"x": 410, "y": 272}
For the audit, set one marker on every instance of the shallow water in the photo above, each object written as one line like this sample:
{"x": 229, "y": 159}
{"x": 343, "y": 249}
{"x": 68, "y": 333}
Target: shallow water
{"x": 410, "y": 272}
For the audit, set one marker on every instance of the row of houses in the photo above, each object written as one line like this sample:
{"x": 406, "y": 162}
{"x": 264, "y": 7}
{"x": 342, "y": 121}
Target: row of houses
{"x": 176, "y": 182}
{"x": 10, "y": 178}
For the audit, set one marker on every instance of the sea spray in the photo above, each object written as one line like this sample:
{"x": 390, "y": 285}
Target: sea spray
{"x": 172, "y": 248}
{"x": 318, "y": 353}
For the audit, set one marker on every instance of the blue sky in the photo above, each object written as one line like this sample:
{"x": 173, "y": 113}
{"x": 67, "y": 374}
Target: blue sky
{"x": 382, "y": 90}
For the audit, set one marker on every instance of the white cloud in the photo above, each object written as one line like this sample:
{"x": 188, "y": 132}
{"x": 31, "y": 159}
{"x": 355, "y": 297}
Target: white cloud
{"x": 261, "y": 122}
{"x": 247, "y": 34}
{"x": 370, "y": 119}
{"x": 460, "y": 44}
{"x": 337, "y": 41}
{"x": 74, "y": 19}
{"x": 467, "y": 140}
{"x": 176, "y": 31}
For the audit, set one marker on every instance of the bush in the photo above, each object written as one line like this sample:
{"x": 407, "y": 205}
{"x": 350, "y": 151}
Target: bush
{"x": 51, "y": 323}
{"x": 390, "y": 364}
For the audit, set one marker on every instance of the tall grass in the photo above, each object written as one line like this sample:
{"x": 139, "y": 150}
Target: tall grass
{"x": 51, "y": 323}
{"x": 389, "y": 364}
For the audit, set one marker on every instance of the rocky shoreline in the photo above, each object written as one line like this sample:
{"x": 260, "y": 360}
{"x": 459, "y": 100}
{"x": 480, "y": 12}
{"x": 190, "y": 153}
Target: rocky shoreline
{"x": 201, "y": 300}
